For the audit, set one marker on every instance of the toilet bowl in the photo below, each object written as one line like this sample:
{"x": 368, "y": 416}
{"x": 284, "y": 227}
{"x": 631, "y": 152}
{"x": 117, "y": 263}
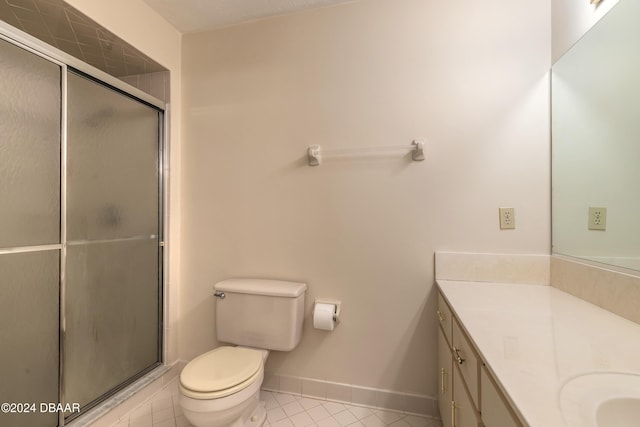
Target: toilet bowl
{"x": 222, "y": 388}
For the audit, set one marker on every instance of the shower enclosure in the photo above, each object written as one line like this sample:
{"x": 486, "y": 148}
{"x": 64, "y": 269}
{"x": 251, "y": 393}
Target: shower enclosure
{"x": 81, "y": 246}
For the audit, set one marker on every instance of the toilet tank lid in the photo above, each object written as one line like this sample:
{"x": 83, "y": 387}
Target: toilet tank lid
{"x": 276, "y": 288}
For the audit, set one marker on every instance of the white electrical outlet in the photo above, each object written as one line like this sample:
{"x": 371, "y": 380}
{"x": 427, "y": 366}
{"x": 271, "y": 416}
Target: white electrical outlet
{"x": 507, "y": 218}
{"x": 597, "y": 218}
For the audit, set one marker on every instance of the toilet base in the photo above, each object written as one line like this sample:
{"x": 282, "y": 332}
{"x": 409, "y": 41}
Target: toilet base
{"x": 252, "y": 417}
{"x": 255, "y": 419}
{"x": 241, "y": 409}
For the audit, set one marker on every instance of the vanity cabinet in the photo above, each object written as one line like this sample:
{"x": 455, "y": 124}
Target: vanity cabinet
{"x": 445, "y": 373}
{"x": 468, "y": 395}
{"x": 495, "y": 409}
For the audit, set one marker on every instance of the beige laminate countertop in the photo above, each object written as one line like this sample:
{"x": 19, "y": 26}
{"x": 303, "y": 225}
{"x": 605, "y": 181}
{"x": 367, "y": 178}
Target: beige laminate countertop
{"x": 535, "y": 339}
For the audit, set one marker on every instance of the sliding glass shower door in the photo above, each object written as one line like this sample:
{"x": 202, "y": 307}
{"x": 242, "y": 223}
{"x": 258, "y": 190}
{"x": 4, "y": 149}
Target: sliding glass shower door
{"x": 81, "y": 246}
{"x": 113, "y": 256}
{"x": 29, "y": 233}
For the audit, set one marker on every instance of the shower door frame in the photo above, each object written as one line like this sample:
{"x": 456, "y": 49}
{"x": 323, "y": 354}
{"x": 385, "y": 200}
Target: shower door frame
{"x": 68, "y": 63}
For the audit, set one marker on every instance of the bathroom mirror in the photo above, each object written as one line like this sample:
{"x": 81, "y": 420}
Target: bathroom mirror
{"x": 596, "y": 142}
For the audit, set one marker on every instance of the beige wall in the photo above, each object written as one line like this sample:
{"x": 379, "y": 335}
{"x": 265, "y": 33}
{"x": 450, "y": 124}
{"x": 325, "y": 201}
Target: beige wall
{"x": 570, "y": 19}
{"x": 143, "y": 28}
{"x": 471, "y": 77}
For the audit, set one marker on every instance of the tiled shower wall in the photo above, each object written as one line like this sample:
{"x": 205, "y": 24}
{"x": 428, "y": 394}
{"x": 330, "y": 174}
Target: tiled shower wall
{"x": 155, "y": 84}
{"x": 60, "y": 25}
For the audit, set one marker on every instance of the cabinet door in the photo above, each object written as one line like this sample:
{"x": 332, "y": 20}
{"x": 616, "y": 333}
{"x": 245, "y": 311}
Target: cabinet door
{"x": 445, "y": 375}
{"x": 463, "y": 414}
{"x": 495, "y": 412}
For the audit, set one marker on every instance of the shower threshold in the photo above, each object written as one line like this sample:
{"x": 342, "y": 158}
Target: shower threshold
{"x": 96, "y": 413}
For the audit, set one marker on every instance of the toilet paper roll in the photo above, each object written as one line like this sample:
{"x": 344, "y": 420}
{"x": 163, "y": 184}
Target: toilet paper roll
{"x": 323, "y": 316}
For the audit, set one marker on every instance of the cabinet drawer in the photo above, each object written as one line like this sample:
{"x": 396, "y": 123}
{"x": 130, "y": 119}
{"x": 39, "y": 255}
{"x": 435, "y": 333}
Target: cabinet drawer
{"x": 495, "y": 412}
{"x": 444, "y": 317}
{"x": 465, "y": 358}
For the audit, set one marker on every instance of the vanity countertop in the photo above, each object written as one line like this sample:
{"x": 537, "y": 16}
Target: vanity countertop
{"x": 535, "y": 338}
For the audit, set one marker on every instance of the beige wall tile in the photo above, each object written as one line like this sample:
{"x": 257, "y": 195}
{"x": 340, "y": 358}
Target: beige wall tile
{"x": 158, "y": 84}
{"x": 271, "y": 381}
{"x": 389, "y": 400}
{"x": 290, "y": 384}
{"x": 364, "y": 396}
{"x": 339, "y": 392}
{"x": 314, "y": 388}
{"x": 421, "y": 405}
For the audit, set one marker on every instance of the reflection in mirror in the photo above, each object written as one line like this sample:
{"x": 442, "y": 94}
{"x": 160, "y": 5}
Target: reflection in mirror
{"x": 596, "y": 142}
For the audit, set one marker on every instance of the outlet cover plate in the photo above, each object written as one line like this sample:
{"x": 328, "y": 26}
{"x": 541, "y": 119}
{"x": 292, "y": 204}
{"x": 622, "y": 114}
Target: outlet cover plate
{"x": 597, "y": 218}
{"x": 507, "y": 218}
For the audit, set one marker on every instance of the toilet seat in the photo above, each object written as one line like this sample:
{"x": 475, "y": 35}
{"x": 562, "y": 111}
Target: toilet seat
{"x": 221, "y": 372}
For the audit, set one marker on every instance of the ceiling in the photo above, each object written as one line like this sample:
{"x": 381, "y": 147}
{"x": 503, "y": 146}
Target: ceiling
{"x": 190, "y": 16}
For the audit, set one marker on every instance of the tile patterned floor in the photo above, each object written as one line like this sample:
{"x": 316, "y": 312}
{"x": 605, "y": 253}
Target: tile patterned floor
{"x": 283, "y": 410}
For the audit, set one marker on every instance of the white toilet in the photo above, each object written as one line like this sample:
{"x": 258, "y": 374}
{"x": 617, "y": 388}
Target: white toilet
{"x": 222, "y": 387}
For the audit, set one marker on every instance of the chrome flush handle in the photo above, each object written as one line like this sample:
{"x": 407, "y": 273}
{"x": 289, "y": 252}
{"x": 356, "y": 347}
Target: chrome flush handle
{"x": 219, "y": 294}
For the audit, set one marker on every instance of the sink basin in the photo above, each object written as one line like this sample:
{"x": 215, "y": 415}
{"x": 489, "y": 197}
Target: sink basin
{"x": 621, "y": 412}
{"x": 601, "y": 400}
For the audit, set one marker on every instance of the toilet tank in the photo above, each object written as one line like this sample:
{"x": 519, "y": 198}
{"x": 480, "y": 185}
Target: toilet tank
{"x": 260, "y": 313}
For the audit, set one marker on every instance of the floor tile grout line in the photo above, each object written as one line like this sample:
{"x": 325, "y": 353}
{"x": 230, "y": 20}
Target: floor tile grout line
{"x": 371, "y": 408}
{"x": 167, "y": 395}
{"x": 362, "y": 405}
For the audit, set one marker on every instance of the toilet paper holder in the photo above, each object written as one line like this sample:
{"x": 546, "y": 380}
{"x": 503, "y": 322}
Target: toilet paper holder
{"x": 336, "y": 313}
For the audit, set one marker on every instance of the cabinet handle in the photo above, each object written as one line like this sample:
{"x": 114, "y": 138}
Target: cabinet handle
{"x": 441, "y": 317}
{"x": 443, "y": 379}
{"x": 459, "y": 358}
{"x": 453, "y": 414}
